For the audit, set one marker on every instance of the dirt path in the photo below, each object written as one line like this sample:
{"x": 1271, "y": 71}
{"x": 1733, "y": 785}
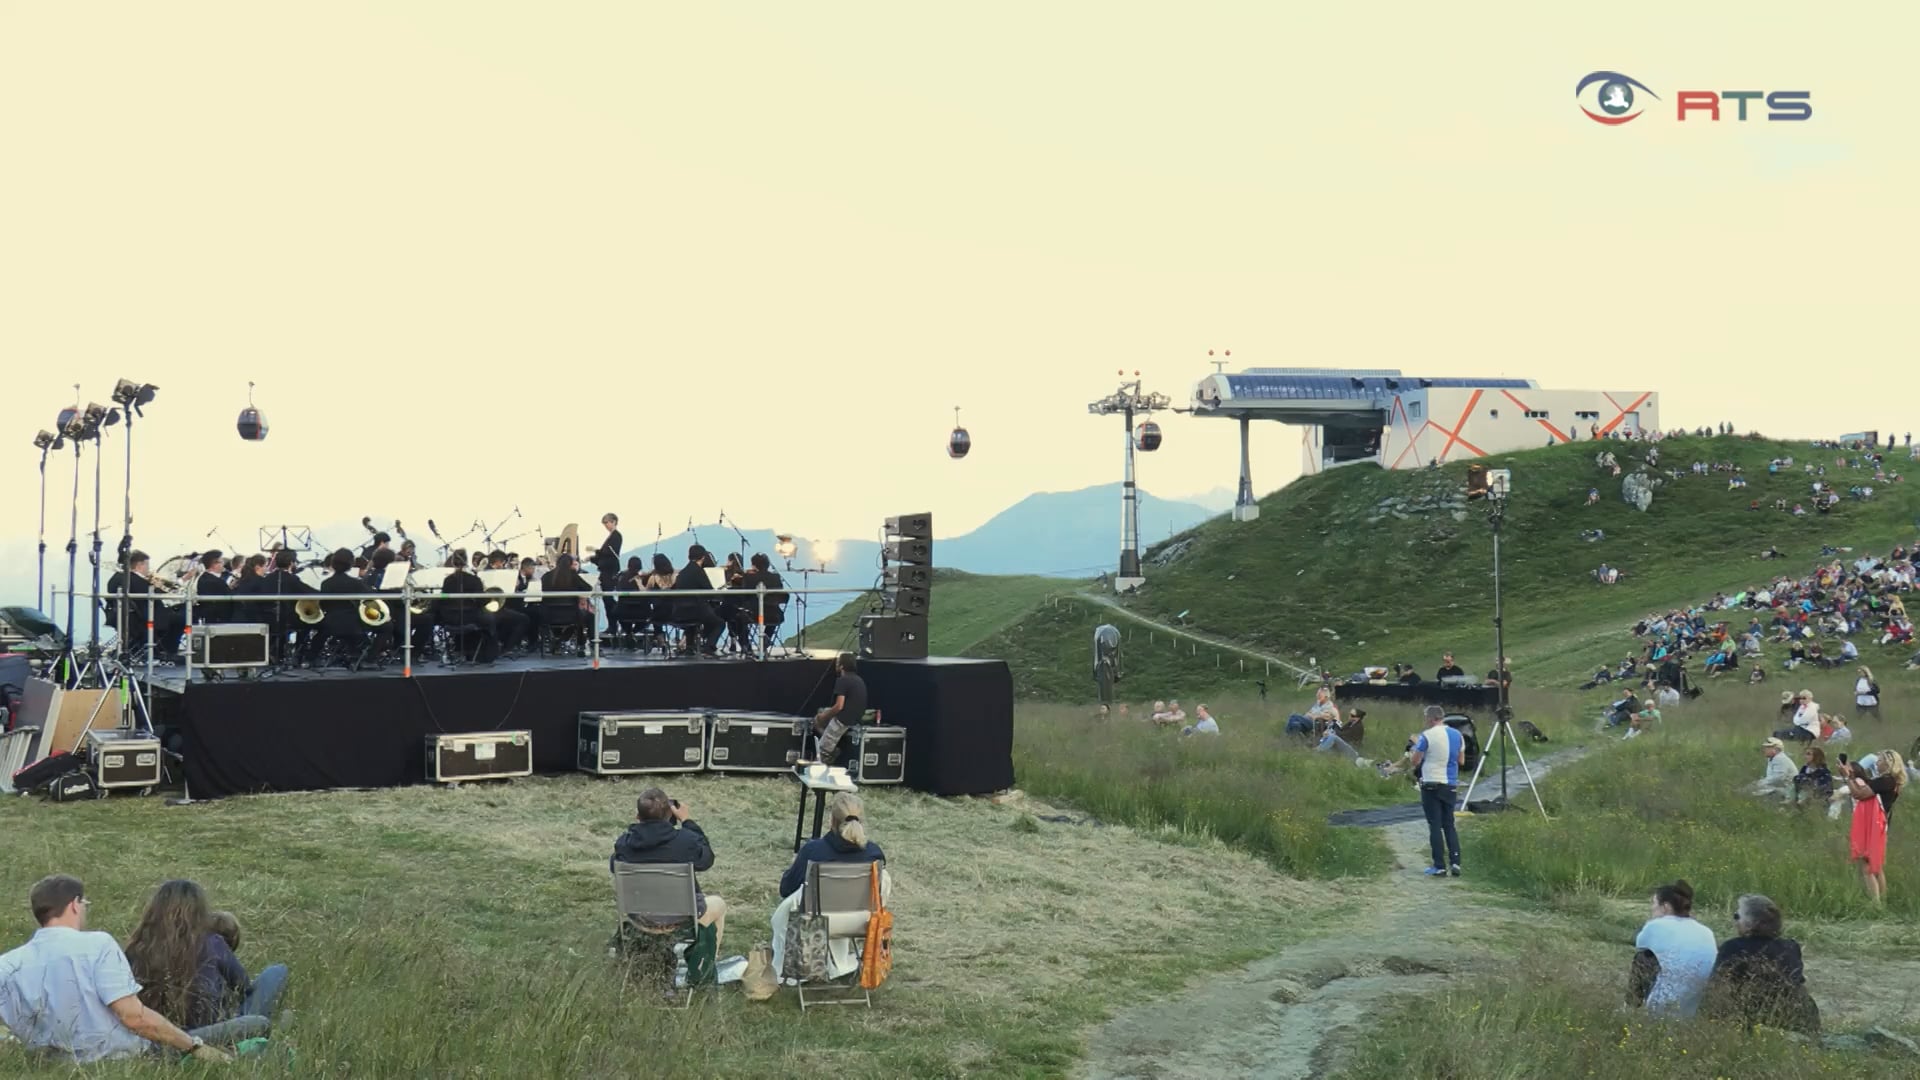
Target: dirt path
{"x": 1204, "y": 639}
{"x": 1283, "y": 1017}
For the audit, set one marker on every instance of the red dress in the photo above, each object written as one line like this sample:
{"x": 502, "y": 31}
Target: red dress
{"x": 1868, "y": 840}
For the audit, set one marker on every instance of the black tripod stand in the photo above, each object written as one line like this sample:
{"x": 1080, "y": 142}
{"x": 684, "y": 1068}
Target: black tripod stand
{"x": 45, "y": 441}
{"x": 1503, "y": 714}
{"x": 68, "y": 665}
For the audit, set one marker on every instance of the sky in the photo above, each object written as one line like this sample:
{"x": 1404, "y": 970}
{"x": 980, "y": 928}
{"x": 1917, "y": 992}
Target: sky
{"x": 673, "y": 260}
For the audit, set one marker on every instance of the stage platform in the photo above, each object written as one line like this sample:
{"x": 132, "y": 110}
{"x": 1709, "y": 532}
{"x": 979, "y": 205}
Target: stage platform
{"x": 317, "y": 730}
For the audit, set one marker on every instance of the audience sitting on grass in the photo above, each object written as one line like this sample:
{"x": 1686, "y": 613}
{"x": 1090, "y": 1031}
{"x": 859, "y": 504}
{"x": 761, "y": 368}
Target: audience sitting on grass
{"x": 1777, "y": 780}
{"x": 69, "y": 993}
{"x": 1866, "y": 694}
{"x": 1344, "y": 736}
{"x": 1814, "y": 782}
{"x": 1675, "y": 955}
{"x": 845, "y": 841}
{"x": 1323, "y": 711}
{"x": 1203, "y": 723}
{"x": 1167, "y": 713}
{"x": 664, "y": 831}
{"x": 1758, "y": 979}
{"x": 185, "y": 962}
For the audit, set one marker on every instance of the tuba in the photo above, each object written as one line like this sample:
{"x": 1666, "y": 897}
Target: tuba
{"x": 498, "y": 601}
{"x": 307, "y": 610}
{"x": 375, "y": 613}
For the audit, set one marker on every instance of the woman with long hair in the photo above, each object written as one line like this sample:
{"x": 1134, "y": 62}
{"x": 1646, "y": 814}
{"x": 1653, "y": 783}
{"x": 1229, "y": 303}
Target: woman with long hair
{"x": 1866, "y": 694}
{"x": 1875, "y": 782}
{"x": 187, "y": 971}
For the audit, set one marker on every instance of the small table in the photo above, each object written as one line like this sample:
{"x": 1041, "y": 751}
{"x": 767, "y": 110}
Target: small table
{"x": 834, "y": 782}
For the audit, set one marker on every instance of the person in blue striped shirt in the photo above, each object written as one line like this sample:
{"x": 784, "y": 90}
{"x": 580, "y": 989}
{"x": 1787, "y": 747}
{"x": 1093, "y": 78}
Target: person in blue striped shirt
{"x": 1436, "y": 758}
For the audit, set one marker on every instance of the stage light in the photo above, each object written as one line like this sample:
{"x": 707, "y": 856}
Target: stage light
{"x": 46, "y": 440}
{"x": 133, "y": 395}
{"x": 66, "y": 419}
{"x": 824, "y": 550}
{"x": 784, "y": 547}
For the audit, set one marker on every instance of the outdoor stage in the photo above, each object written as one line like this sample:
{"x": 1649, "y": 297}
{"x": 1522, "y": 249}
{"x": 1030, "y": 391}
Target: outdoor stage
{"x": 308, "y": 731}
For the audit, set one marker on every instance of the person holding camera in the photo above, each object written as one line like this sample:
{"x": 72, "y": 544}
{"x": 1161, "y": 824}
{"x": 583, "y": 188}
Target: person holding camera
{"x": 665, "y": 832}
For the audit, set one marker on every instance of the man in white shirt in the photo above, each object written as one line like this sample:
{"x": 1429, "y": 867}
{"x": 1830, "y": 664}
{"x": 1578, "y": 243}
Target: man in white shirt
{"x": 1436, "y": 757}
{"x": 1780, "y": 771}
{"x": 69, "y": 993}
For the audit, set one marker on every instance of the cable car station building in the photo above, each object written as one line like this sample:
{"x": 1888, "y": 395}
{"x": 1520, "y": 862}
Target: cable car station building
{"x": 1406, "y": 422}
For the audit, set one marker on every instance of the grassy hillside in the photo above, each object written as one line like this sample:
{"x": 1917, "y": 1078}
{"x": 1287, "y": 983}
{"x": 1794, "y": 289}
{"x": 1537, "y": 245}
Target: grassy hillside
{"x": 1362, "y": 565}
{"x": 967, "y": 609}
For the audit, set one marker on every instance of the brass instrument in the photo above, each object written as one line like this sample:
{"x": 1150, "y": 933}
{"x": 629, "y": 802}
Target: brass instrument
{"x": 499, "y": 600}
{"x": 375, "y": 613}
{"x": 307, "y": 610}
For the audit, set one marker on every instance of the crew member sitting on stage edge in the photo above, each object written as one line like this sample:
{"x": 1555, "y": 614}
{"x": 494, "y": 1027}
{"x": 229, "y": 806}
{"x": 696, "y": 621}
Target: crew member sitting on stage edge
{"x": 849, "y": 707}
{"x": 697, "y": 612}
{"x": 664, "y": 832}
{"x": 213, "y": 582}
{"x": 167, "y": 622}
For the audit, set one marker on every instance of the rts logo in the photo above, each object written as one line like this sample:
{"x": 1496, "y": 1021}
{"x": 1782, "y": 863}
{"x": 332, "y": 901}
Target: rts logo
{"x": 1617, "y": 102}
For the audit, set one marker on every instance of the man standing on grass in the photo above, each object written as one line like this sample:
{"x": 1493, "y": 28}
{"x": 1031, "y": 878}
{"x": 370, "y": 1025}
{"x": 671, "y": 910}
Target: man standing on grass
{"x": 1436, "y": 758}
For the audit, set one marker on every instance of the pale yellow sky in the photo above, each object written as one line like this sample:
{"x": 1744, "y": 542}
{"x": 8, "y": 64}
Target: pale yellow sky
{"x": 673, "y": 259}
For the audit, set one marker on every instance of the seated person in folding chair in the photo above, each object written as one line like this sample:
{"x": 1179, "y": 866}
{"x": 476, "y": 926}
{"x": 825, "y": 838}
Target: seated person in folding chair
{"x": 845, "y": 842}
{"x": 283, "y": 581}
{"x": 746, "y": 611}
{"x": 697, "y": 612}
{"x": 630, "y": 612}
{"x": 664, "y": 832}
{"x": 571, "y": 615}
{"x": 520, "y": 586}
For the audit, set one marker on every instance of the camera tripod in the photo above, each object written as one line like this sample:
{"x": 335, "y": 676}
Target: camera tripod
{"x": 1503, "y": 728}
{"x": 1502, "y": 713}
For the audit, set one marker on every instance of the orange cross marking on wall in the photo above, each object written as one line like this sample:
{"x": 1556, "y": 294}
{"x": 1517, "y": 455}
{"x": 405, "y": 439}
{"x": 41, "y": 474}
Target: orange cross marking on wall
{"x": 1615, "y": 422}
{"x": 1453, "y": 436}
{"x": 1557, "y": 433}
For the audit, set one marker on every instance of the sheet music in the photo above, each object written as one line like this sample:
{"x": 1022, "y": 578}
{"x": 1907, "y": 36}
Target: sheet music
{"x": 429, "y": 578}
{"x": 311, "y": 575}
{"x": 716, "y": 578}
{"x": 393, "y": 577}
{"x": 504, "y": 580}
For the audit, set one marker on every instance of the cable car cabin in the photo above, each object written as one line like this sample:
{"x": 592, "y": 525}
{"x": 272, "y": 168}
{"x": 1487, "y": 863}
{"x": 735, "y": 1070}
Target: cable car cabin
{"x": 1147, "y": 436}
{"x": 959, "y": 443}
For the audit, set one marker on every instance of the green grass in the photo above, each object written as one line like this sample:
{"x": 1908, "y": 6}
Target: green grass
{"x": 1671, "y": 804}
{"x": 1251, "y": 787}
{"x": 1324, "y": 556}
{"x": 462, "y": 932}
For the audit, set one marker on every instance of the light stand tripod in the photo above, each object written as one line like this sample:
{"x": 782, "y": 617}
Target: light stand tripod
{"x": 69, "y": 672}
{"x": 45, "y": 443}
{"x": 1498, "y": 484}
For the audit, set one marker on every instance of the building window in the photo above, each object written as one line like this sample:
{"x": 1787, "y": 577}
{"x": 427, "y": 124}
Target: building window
{"x": 1495, "y": 413}
{"x": 1582, "y": 414}
{"x": 1413, "y": 410}
{"x": 1536, "y": 414}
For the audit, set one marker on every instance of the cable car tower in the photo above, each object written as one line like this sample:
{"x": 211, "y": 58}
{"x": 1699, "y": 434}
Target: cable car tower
{"x": 1128, "y": 401}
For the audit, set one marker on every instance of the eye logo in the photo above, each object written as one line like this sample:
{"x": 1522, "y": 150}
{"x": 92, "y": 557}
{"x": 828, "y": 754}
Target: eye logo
{"x": 1615, "y": 97}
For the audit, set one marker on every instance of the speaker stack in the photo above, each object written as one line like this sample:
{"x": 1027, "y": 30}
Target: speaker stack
{"x": 899, "y": 630}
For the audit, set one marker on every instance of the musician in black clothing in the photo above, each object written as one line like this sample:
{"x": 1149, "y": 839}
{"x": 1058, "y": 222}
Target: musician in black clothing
{"x": 747, "y": 610}
{"x": 1448, "y": 669}
{"x": 697, "y": 612}
{"x": 279, "y": 613}
{"x": 518, "y": 603}
{"x": 606, "y": 559}
{"x": 341, "y": 612}
{"x": 565, "y": 613}
{"x": 213, "y": 582}
{"x": 503, "y": 629}
{"x": 167, "y": 622}
{"x": 630, "y": 613}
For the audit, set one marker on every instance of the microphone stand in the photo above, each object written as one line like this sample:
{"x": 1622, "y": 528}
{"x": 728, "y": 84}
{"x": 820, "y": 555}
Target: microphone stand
{"x": 40, "y": 590}
{"x": 744, "y": 545}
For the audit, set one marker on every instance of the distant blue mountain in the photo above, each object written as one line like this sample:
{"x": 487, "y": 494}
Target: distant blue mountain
{"x": 1065, "y": 533}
